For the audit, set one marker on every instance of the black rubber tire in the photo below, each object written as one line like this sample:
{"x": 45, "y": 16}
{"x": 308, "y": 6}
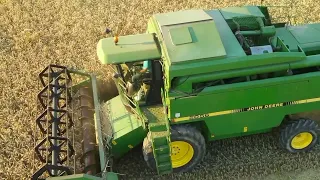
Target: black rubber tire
{"x": 186, "y": 133}
{"x": 293, "y": 128}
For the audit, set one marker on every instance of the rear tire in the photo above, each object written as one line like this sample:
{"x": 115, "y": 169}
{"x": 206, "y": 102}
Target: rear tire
{"x": 187, "y": 147}
{"x": 299, "y": 135}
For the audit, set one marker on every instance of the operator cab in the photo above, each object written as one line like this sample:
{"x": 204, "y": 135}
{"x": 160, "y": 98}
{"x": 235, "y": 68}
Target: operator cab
{"x": 150, "y": 82}
{"x": 143, "y": 81}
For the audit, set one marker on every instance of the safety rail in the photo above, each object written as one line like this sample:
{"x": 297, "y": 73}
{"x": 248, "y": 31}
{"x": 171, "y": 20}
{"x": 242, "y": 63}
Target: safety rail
{"x": 123, "y": 93}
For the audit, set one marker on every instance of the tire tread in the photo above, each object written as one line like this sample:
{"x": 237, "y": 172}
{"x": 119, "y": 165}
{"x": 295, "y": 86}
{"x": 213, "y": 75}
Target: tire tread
{"x": 292, "y": 128}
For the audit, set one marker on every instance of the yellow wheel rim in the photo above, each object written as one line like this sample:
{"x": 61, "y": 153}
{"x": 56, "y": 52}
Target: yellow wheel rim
{"x": 302, "y": 140}
{"x": 181, "y": 153}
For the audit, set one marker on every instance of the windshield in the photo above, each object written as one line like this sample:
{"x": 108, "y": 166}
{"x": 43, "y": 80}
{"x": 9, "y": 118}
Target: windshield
{"x": 134, "y": 79}
{"x": 140, "y": 81}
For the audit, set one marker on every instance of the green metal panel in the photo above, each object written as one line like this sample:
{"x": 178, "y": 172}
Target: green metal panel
{"x": 122, "y": 120}
{"x": 186, "y": 86}
{"x": 180, "y": 17}
{"x": 129, "y": 48}
{"x": 128, "y": 129}
{"x": 234, "y": 124}
{"x": 180, "y": 35}
{"x": 306, "y": 33}
{"x": 231, "y": 12}
{"x": 209, "y": 65}
{"x": 233, "y": 107}
{"x": 230, "y": 42}
{"x": 206, "y": 43}
{"x": 288, "y": 38}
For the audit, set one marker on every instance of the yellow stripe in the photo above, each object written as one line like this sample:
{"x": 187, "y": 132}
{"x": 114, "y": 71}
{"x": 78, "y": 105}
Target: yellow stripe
{"x": 221, "y": 113}
{"x": 209, "y": 115}
{"x": 181, "y": 119}
{"x": 314, "y": 100}
{"x": 237, "y": 110}
{"x": 308, "y": 100}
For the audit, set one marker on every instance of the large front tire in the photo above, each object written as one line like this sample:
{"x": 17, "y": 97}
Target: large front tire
{"x": 299, "y": 135}
{"x": 187, "y": 148}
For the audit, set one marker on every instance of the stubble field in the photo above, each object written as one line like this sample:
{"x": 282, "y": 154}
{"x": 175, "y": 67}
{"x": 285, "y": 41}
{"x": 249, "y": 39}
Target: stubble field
{"x": 36, "y": 33}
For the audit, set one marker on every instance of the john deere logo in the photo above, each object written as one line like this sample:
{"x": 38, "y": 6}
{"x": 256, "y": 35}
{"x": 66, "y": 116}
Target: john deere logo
{"x": 264, "y": 107}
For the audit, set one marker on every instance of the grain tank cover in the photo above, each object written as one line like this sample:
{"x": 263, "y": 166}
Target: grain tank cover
{"x": 190, "y": 35}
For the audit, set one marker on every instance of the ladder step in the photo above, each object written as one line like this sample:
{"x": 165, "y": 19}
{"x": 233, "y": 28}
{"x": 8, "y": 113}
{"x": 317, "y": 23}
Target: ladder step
{"x": 159, "y": 141}
{"x": 163, "y": 158}
{"x": 164, "y": 149}
{"x": 160, "y": 135}
{"x": 158, "y": 127}
{"x": 164, "y": 167}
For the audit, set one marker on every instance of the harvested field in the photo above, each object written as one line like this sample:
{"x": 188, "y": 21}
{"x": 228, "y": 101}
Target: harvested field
{"x": 36, "y": 33}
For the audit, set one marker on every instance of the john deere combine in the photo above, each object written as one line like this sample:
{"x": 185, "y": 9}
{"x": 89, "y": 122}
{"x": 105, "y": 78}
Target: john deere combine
{"x": 194, "y": 76}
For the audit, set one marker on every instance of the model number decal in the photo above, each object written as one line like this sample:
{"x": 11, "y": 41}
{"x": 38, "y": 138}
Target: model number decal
{"x": 199, "y": 116}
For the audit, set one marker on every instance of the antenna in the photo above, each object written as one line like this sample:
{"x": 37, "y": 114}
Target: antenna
{"x": 108, "y": 31}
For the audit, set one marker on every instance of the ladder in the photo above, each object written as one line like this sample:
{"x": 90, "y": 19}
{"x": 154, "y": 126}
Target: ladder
{"x": 160, "y": 136}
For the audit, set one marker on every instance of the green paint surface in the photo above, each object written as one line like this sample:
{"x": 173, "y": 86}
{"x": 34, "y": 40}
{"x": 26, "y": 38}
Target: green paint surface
{"x": 204, "y": 36}
{"x": 305, "y": 34}
{"x": 129, "y": 48}
{"x": 127, "y": 128}
{"x": 180, "y": 17}
{"x": 250, "y": 94}
{"x": 180, "y": 35}
{"x": 231, "y": 12}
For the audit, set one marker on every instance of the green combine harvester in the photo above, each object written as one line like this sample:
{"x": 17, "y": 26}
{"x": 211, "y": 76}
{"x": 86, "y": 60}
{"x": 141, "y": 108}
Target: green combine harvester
{"x": 194, "y": 76}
